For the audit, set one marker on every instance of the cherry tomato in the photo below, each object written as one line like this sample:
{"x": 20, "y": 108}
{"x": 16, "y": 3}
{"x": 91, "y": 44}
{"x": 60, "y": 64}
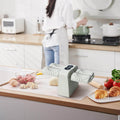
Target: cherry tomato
{"x": 116, "y": 83}
{"x": 108, "y": 83}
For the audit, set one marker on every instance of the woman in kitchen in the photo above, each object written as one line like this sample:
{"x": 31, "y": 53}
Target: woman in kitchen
{"x": 58, "y": 17}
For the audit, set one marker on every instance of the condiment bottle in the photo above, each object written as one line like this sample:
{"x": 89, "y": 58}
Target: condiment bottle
{"x": 38, "y": 27}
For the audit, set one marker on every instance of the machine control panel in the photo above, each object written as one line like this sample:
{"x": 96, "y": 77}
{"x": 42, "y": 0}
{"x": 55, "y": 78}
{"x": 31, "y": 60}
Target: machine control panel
{"x": 68, "y": 67}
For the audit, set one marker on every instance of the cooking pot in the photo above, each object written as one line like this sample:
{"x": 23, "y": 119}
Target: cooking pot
{"x": 82, "y": 30}
{"x": 111, "y": 30}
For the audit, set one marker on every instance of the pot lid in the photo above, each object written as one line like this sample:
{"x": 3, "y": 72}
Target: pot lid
{"x": 98, "y": 4}
{"x": 115, "y": 25}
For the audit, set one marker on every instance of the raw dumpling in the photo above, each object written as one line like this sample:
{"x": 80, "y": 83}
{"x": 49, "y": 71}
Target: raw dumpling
{"x": 23, "y": 86}
{"x": 54, "y": 81}
{"x": 28, "y": 85}
{"x": 14, "y": 83}
{"x": 34, "y": 86}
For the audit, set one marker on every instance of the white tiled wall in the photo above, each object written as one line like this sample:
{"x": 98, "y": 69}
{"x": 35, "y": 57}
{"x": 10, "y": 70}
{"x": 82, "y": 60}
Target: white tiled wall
{"x": 7, "y": 7}
{"x": 32, "y": 9}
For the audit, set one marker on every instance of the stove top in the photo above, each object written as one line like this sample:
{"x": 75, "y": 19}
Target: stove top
{"x": 110, "y": 41}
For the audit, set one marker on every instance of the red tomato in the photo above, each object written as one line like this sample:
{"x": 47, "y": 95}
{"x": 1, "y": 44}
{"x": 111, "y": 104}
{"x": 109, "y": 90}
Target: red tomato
{"x": 116, "y": 83}
{"x": 108, "y": 83}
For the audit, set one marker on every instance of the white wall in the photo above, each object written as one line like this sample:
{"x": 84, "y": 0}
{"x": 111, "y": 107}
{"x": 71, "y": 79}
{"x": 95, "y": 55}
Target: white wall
{"x": 7, "y": 7}
{"x": 110, "y": 15}
{"x": 32, "y": 9}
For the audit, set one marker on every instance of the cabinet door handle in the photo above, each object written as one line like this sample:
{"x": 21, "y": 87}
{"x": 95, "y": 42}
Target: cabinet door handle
{"x": 81, "y": 56}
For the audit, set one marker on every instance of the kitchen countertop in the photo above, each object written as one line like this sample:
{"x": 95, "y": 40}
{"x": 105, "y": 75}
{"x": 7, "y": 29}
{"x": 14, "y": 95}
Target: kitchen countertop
{"x": 48, "y": 94}
{"x": 95, "y": 47}
{"x": 29, "y": 39}
{"x": 86, "y": 103}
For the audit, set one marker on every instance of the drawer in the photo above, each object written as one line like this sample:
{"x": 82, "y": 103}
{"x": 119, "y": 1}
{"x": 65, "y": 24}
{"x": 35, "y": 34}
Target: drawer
{"x": 96, "y": 61}
{"x": 12, "y": 55}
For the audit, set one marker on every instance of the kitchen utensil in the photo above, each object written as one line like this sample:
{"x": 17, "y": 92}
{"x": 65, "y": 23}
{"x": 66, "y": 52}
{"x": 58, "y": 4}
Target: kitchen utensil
{"x": 76, "y": 13}
{"x": 69, "y": 77}
{"x": 100, "y": 5}
{"x": 2, "y": 84}
{"x": 111, "y": 30}
{"x": 82, "y": 30}
{"x": 5, "y": 82}
{"x": 96, "y": 85}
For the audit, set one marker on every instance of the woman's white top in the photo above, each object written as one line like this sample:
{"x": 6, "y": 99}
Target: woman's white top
{"x": 62, "y": 16}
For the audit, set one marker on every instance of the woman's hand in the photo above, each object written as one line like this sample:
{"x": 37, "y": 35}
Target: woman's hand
{"x": 82, "y": 22}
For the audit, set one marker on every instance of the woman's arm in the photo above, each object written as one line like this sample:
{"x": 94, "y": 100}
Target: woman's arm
{"x": 67, "y": 13}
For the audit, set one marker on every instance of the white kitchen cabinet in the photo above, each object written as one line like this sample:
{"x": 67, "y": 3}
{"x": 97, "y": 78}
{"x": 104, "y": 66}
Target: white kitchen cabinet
{"x": 33, "y": 57}
{"x": 11, "y": 109}
{"x": 42, "y": 111}
{"x": 20, "y": 55}
{"x": 117, "y": 60}
{"x": 16, "y": 109}
{"x": 12, "y": 55}
{"x": 100, "y": 62}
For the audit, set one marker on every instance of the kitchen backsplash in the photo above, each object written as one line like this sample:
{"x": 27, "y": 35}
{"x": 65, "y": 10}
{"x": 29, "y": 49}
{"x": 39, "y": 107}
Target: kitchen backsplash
{"x": 32, "y": 9}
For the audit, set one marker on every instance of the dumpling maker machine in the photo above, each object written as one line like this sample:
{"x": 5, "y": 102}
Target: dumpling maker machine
{"x": 69, "y": 77}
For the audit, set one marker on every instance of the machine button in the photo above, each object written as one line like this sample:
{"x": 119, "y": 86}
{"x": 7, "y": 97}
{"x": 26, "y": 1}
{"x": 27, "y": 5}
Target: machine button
{"x": 68, "y": 67}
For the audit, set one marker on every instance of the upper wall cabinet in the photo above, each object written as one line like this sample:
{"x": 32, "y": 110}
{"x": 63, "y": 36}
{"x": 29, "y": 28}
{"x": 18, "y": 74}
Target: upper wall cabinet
{"x": 99, "y": 9}
{"x": 99, "y": 5}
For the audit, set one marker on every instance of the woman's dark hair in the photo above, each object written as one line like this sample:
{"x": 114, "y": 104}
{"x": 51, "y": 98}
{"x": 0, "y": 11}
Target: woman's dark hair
{"x": 50, "y": 7}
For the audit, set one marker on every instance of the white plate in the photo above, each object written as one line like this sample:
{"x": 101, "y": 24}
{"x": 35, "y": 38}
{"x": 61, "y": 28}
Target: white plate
{"x": 105, "y": 100}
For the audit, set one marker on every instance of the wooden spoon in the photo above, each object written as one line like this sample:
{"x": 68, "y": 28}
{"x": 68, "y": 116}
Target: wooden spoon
{"x": 7, "y": 82}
